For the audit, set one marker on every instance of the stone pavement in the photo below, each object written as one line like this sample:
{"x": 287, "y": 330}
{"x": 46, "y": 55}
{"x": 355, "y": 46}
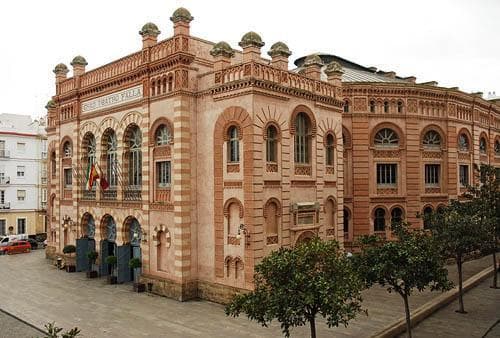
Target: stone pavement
{"x": 39, "y": 293}
{"x": 13, "y": 327}
{"x": 483, "y": 310}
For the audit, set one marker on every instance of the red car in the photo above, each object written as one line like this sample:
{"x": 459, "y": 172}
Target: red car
{"x": 16, "y": 247}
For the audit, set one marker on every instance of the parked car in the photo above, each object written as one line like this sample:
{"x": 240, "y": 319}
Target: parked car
{"x": 16, "y": 247}
{"x": 33, "y": 243}
{"x": 11, "y": 238}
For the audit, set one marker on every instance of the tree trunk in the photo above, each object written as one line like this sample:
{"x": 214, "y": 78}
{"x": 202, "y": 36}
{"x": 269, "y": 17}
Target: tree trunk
{"x": 407, "y": 313}
{"x": 312, "y": 323}
{"x": 495, "y": 268}
{"x": 460, "y": 290}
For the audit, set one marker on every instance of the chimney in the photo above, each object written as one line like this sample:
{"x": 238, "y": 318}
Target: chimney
{"x": 312, "y": 66}
{"x": 279, "y": 54}
{"x": 334, "y": 73}
{"x": 149, "y": 33}
{"x": 251, "y": 43}
{"x": 222, "y": 53}
{"x": 78, "y": 64}
{"x": 181, "y": 19}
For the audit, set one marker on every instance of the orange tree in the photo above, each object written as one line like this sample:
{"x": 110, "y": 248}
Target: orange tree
{"x": 295, "y": 285}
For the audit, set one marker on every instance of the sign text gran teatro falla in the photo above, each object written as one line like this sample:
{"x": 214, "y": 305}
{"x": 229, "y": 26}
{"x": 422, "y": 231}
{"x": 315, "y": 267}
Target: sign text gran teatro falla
{"x": 111, "y": 100}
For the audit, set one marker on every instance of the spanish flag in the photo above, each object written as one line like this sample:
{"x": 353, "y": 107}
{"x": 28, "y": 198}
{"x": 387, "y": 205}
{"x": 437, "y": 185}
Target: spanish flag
{"x": 92, "y": 176}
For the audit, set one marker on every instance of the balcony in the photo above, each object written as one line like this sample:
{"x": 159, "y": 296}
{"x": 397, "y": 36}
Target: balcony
{"x": 132, "y": 193}
{"x": 4, "y": 153}
{"x": 5, "y": 205}
{"x": 109, "y": 194}
{"x": 4, "y": 180}
{"x": 88, "y": 194}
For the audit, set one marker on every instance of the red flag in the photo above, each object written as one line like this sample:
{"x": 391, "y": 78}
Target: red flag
{"x": 103, "y": 182}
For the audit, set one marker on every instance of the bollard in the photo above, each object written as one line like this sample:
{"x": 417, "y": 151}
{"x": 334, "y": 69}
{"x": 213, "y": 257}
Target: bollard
{"x": 59, "y": 262}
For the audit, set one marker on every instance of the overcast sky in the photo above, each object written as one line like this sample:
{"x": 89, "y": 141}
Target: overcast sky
{"x": 455, "y": 42}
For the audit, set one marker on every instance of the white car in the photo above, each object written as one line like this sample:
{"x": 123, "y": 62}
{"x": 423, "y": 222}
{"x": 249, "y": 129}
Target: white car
{"x": 10, "y": 238}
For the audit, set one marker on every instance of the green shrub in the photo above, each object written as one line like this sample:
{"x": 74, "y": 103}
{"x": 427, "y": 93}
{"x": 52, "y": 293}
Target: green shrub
{"x": 70, "y": 248}
{"x": 111, "y": 260}
{"x": 134, "y": 263}
{"x": 92, "y": 255}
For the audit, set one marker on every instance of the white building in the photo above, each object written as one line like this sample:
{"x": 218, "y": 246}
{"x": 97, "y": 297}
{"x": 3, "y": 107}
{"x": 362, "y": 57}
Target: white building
{"x": 23, "y": 175}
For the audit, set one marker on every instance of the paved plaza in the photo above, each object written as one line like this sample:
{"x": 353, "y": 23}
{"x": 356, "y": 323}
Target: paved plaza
{"x": 39, "y": 293}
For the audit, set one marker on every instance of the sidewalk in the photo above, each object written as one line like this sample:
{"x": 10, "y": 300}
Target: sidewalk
{"x": 38, "y": 293}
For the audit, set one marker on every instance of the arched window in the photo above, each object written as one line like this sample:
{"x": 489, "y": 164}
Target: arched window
{"x": 163, "y": 135}
{"x": 396, "y": 216}
{"x": 386, "y": 107}
{"x": 111, "y": 146}
{"x": 234, "y": 218}
{"x": 497, "y": 148}
{"x": 427, "y": 213}
{"x": 330, "y": 150}
{"x": 482, "y": 145}
{"x": 386, "y": 137}
{"x": 68, "y": 151}
{"x": 346, "y": 106}
{"x": 330, "y": 213}
{"x": 170, "y": 82}
{"x": 346, "y": 221}
{"x": 372, "y": 106}
{"x": 432, "y": 139}
{"x": 272, "y": 144}
{"x": 379, "y": 220}
{"x": 463, "y": 142}
{"x": 302, "y": 139}
{"x": 233, "y": 145}
{"x": 400, "y": 106}
{"x": 53, "y": 165}
{"x": 135, "y": 157}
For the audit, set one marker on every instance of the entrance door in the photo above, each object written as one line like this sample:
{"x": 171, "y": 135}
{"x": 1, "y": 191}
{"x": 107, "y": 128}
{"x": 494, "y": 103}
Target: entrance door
{"x": 82, "y": 261}
{"x": 123, "y": 257}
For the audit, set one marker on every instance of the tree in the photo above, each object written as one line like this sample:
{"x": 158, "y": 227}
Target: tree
{"x": 486, "y": 197}
{"x": 412, "y": 262}
{"x": 459, "y": 231}
{"x": 294, "y": 285}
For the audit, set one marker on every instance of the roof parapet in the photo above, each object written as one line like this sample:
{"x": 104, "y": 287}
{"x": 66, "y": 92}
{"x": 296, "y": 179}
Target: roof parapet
{"x": 429, "y": 83}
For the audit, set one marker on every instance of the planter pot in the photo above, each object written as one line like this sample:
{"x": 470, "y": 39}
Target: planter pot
{"x": 70, "y": 268}
{"x": 111, "y": 279}
{"x": 92, "y": 274}
{"x": 139, "y": 287}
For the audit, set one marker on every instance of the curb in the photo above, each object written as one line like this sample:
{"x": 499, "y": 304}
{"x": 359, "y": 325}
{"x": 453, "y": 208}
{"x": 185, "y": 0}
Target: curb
{"x": 23, "y": 321}
{"x": 432, "y": 306}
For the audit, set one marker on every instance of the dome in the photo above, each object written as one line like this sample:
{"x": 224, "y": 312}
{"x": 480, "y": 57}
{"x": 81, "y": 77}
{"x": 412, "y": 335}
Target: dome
{"x": 251, "y": 39}
{"x": 181, "y": 14}
{"x": 222, "y": 48}
{"x": 313, "y": 59}
{"x": 279, "y": 49}
{"x": 333, "y": 67}
{"x": 149, "y": 29}
{"x": 79, "y": 60}
{"x": 61, "y": 69}
{"x": 50, "y": 104}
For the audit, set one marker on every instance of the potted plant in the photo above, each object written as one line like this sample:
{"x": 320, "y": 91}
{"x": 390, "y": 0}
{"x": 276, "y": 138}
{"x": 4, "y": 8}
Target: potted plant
{"x": 69, "y": 250}
{"x": 92, "y": 256}
{"x": 111, "y": 261}
{"x": 135, "y": 263}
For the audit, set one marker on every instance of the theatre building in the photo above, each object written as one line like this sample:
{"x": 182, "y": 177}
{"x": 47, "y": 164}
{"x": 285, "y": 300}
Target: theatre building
{"x": 213, "y": 156}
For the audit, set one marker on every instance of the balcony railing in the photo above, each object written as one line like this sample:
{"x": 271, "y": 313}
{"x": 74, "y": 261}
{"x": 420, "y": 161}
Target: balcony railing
{"x": 88, "y": 194}
{"x": 4, "y": 153}
{"x": 5, "y": 205}
{"x": 109, "y": 194}
{"x": 5, "y": 180}
{"x": 132, "y": 193}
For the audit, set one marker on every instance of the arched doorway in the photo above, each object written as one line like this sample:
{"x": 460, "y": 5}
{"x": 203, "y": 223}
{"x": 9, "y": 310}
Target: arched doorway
{"x": 85, "y": 243}
{"x": 305, "y": 237}
{"x": 108, "y": 245}
{"x": 131, "y": 248}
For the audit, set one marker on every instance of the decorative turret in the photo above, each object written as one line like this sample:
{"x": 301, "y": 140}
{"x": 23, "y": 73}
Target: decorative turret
{"x": 60, "y": 70}
{"x": 78, "y": 64}
{"x": 50, "y": 105}
{"x": 222, "y": 52}
{"x": 279, "y": 54}
{"x": 149, "y": 33}
{"x": 334, "y": 72}
{"x": 312, "y": 65}
{"x": 181, "y": 19}
{"x": 251, "y": 43}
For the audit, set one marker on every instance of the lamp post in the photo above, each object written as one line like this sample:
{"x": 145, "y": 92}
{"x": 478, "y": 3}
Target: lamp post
{"x": 243, "y": 229}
